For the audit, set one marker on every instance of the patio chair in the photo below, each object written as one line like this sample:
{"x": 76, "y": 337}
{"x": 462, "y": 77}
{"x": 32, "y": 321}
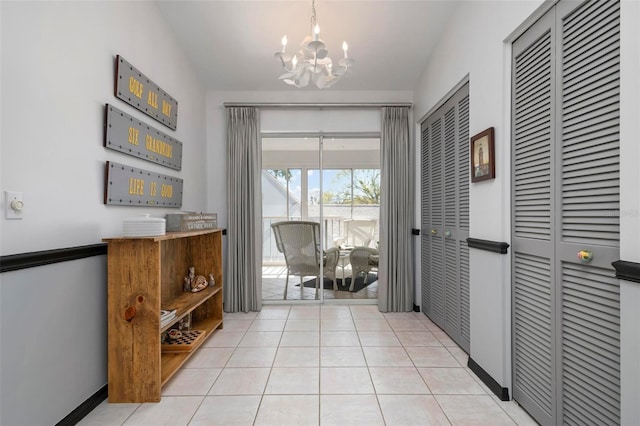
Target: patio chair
{"x": 299, "y": 241}
{"x": 363, "y": 259}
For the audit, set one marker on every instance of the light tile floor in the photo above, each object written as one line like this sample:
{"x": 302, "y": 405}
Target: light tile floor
{"x": 322, "y": 365}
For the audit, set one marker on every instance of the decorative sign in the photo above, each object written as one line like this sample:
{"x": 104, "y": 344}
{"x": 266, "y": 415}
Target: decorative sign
{"x": 137, "y": 90}
{"x": 191, "y": 221}
{"x": 126, "y": 134}
{"x": 129, "y": 186}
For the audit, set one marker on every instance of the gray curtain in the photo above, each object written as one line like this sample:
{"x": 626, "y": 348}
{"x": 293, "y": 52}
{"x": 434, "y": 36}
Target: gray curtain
{"x": 243, "y": 285}
{"x": 396, "y": 276}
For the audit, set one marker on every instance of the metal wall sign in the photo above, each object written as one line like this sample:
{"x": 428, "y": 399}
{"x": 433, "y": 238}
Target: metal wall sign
{"x": 129, "y": 186}
{"x": 139, "y": 91}
{"x": 129, "y": 135}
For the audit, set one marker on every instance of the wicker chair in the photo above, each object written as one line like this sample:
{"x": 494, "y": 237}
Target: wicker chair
{"x": 363, "y": 259}
{"x": 299, "y": 241}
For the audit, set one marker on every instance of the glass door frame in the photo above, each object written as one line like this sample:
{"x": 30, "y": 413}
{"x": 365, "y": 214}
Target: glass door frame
{"x": 304, "y": 209}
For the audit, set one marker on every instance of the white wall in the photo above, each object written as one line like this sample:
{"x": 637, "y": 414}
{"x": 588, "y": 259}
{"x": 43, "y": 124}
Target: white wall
{"x": 54, "y": 340}
{"x": 630, "y": 207}
{"x": 57, "y": 72}
{"x": 476, "y": 34}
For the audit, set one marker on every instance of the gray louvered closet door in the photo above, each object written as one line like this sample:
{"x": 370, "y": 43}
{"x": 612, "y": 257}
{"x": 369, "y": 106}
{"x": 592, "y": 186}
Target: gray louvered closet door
{"x": 565, "y": 170}
{"x": 445, "y": 217}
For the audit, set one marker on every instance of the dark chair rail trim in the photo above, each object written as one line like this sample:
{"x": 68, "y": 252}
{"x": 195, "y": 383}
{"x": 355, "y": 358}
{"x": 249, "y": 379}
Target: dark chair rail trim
{"x": 628, "y": 271}
{"x": 492, "y": 246}
{"x": 14, "y": 262}
{"x": 502, "y": 393}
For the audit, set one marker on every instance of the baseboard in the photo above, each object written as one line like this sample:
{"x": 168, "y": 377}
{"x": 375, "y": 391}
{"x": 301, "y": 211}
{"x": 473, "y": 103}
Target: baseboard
{"x": 85, "y": 408}
{"x": 499, "y": 391}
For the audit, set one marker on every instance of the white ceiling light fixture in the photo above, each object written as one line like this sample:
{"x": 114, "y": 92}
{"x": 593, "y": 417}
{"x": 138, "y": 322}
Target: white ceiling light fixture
{"x": 312, "y": 62}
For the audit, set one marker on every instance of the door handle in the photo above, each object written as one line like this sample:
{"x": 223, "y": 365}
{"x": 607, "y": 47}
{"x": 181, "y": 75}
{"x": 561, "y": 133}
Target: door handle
{"x": 585, "y": 256}
{"x": 434, "y": 232}
{"x": 447, "y": 233}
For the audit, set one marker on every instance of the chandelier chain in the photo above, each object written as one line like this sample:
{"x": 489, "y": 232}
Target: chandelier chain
{"x": 313, "y": 16}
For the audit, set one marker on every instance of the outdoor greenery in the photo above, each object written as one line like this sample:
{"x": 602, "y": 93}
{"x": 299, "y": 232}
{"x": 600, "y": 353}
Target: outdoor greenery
{"x": 281, "y": 174}
{"x": 366, "y": 187}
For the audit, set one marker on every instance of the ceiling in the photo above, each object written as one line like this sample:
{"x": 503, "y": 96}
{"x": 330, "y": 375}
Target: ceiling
{"x": 232, "y": 43}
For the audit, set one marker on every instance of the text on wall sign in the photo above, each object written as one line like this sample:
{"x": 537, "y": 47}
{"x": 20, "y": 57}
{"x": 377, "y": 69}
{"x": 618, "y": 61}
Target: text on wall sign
{"x": 136, "y": 89}
{"x": 130, "y": 186}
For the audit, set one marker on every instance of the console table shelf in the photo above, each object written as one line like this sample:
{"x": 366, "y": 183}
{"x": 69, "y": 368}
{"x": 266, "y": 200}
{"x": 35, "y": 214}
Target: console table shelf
{"x": 145, "y": 275}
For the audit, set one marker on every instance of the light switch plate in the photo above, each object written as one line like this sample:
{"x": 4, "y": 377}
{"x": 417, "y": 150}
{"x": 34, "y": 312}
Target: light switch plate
{"x": 9, "y": 197}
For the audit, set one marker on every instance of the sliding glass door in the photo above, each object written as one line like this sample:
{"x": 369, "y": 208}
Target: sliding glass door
{"x": 334, "y": 183}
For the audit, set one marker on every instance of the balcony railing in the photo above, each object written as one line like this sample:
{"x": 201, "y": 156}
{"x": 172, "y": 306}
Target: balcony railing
{"x": 333, "y": 228}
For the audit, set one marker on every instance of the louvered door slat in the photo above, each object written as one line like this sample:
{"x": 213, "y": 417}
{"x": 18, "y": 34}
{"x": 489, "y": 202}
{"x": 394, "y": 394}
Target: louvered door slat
{"x": 452, "y": 296}
{"x": 438, "y": 280}
{"x": 532, "y": 326}
{"x": 581, "y": 61}
{"x": 580, "y": 25}
{"x": 463, "y": 172}
{"x": 588, "y": 146}
{"x": 425, "y": 271}
{"x": 590, "y": 304}
{"x": 592, "y": 116}
{"x": 578, "y": 16}
{"x": 532, "y": 134}
{"x": 593, "y": 84}
{"x": 445, "y": 211}
{"x": 576, "y": 306}
{"x": 597, "y": 91}
{"x": 436, "y": 173}
{"x": 532, "y": 108}
{"x": 591, "y": 345}
{"x": 452, "y": 303}
{"x": 425, "y": 251}
{"x": 532, "y": 222}
{"x": 533, "y": 150}
{"x": 450, "y": 194}
{"x": 465, "y": 308}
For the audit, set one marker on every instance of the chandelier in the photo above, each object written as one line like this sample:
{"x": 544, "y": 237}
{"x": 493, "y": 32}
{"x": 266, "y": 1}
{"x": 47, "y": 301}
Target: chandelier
{"x": 312, "y": 62}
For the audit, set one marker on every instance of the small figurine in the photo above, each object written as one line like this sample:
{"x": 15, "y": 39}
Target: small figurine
{"x": 189, "y": 279}
{"x": 198, "y": 284}
{"x": 212, "y": 281}
{"x": 174, "y": 334}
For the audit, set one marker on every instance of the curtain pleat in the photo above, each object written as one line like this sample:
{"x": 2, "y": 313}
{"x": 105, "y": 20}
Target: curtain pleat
{"x": 396, "y": 274}
{"x": 243, "y": 286}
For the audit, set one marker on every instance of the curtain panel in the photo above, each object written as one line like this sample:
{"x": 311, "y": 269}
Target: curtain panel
{"x": 396, "y": 275}
{"x": 243, "y": 286}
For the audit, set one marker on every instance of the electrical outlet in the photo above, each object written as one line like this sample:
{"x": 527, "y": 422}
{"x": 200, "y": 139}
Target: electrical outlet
{"x": 13, "y": 205}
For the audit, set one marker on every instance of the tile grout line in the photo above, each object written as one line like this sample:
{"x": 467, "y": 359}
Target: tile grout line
{"x": 264, "y": 390}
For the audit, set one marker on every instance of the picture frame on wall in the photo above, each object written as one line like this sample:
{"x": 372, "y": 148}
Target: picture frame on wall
{"x": 483, "y": 164}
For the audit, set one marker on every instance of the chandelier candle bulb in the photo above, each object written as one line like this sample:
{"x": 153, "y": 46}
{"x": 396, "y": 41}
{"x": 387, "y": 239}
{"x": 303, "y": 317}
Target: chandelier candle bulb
{"x": 311, "y": 63}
